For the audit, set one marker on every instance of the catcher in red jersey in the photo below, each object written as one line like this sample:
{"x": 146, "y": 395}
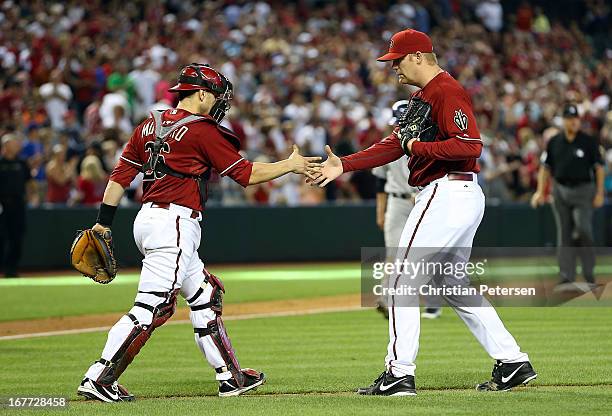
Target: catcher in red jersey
{"x": 439, "y": 134}
{"x": 176, "y": 150}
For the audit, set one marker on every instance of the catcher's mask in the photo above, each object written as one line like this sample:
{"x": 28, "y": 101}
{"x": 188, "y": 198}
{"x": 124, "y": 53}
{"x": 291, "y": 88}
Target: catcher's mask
{"x": 204, "y": 77}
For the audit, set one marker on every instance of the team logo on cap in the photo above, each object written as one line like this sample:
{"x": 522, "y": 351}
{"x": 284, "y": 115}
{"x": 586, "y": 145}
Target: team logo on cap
{"x": 391, "y": 44}
{"x": 461, "y": 120}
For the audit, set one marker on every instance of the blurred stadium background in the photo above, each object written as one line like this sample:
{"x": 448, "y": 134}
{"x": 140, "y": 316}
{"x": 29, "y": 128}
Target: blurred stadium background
{"x": 78, "y": 76}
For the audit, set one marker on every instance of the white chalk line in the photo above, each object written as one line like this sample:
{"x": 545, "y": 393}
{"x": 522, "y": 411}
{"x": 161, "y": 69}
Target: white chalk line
{"x": 239, "y": 317}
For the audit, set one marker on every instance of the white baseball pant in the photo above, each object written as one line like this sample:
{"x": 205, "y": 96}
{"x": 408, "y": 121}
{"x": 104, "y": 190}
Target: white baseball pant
{"x": 446, "y": 214}
{"x": 169, "y": 240}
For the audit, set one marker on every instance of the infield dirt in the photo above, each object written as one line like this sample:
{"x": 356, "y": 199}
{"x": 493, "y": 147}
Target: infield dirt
{"x": 32, "y": 326}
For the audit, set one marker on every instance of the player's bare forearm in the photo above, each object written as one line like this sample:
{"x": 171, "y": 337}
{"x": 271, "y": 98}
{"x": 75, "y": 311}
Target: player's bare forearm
{"x": 600, "y": 176}
{"x": 543, "y": 176}
{"x": 538, "y": 198}
{"x": 113, "y": 193}
{"x": 381, "y": 202}
{"x": 600, "y": 197}
{"x": 381, "y": 208}
{"x": 296, "y": 163}
{"x": 451, "y": 149}
{"x": 264, "y": 172}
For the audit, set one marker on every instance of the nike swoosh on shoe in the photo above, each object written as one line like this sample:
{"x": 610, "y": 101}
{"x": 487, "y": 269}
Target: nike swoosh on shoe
{"x": 506, "y": 379}
{"x": 384, "y": 387}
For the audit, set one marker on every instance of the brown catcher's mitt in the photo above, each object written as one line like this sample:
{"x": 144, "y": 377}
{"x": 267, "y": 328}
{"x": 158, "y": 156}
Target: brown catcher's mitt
{"x": 92, "y": 254}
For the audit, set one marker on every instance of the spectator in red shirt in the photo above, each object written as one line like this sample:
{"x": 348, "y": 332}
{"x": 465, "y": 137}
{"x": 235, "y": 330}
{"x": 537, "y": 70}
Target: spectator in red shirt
{"x": 524, "y": 17}
{"x": 85, "y": 86}
{"x": 60, "y": 175}
{"x": 91, "y": 182}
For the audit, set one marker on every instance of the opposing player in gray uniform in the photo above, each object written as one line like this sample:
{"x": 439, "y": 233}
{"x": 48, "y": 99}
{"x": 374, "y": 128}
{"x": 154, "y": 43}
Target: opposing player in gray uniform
{"x": 394, "y": 201}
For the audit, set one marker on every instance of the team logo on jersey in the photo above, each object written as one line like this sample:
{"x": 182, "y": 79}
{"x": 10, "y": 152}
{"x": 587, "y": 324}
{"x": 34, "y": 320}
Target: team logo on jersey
{"x": 461, "y": 120}
{"x": 580, "y": 153}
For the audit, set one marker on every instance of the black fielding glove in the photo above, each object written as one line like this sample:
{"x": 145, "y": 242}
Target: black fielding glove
{"x": 416, "y": 123}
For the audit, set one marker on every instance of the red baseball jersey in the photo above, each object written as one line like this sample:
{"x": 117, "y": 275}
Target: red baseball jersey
{"x": 192, "y": 149}
{"x": 455, "y": 149}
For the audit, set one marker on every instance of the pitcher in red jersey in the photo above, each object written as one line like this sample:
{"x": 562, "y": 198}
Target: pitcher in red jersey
{"x": 447, "y": 212}
{"x": 176, "y": 149}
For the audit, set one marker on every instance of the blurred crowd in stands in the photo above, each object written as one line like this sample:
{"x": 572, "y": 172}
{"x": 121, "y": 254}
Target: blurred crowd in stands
{"x": 77, "y": 77}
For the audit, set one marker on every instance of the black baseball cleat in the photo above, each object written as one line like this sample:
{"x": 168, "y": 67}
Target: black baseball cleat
{"x": 505, "y": 376}
{"x": 388, "y": 385}
{"x": 96, "y": 391}
{"x": 431, "y": 313}
{"x": 252, "y": 380}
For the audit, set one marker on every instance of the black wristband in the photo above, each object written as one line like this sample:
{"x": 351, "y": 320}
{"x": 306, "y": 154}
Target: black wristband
{"x": 106, "y": 213}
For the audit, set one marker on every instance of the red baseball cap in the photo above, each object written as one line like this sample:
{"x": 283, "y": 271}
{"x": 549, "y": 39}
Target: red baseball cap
{"x": 405, "y": 42}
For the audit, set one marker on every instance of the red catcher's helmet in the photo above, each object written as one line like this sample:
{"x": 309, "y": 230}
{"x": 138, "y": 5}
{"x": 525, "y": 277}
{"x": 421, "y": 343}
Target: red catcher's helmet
{"x": 203, "y": 77}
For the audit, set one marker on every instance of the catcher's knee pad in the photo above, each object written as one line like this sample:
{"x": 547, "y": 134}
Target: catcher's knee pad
{"x": 209, "y": 295}
{"x": 207, "y": 306}
{"x": 145, "y": 318}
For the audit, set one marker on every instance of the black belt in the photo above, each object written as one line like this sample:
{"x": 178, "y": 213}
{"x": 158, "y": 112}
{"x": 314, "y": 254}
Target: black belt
{"x": 401, "y": 196}
{"x": 572, "y": 183}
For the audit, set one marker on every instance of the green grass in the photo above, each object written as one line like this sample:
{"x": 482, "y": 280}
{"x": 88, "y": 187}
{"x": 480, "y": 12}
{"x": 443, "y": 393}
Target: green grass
{"x": 51, "y": 301}
{"x": 541, "y": 401}
{"x": 314, "y": 362}
{"x": 81, "y": 296}
{"x": 72, "y": 295}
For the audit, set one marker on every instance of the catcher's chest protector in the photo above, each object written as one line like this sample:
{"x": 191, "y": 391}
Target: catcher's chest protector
{"x": 157, "y": 165}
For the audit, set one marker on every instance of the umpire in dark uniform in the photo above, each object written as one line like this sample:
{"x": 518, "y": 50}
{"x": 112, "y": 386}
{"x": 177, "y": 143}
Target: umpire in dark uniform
{"x": 574, "y": 161}
{"x": 14, "y": 178}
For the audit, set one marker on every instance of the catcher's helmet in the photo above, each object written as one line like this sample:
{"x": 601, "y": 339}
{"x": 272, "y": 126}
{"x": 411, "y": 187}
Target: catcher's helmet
{"x": 203, "y": 77}
{"x": 398, "y": 109}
